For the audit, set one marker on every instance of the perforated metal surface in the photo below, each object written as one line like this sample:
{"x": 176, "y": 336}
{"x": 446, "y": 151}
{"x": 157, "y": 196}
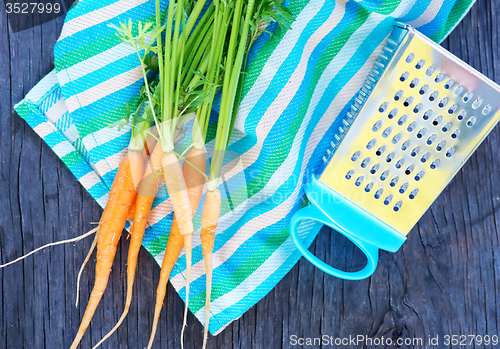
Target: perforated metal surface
{"x": 414, "y": 125}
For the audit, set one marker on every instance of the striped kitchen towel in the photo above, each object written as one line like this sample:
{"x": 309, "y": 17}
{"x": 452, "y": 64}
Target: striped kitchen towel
{"x": 299, "y": 82}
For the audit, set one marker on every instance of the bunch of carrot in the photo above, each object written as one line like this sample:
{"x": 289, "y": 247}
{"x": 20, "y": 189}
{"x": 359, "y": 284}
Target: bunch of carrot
{"x": 192, "y": 50}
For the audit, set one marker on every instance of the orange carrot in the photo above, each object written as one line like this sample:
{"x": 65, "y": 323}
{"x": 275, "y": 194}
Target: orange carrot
{"x": 146, "y": 193}
{"x": 209, "y": 219}
{"x": 112, "y": 221}
{"x": 194, "y": 182}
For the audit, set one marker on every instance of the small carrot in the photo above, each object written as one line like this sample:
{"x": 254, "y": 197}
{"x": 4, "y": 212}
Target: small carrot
{"x": 146, "y": 193}
{"x": 111, "y": 224}
{"x": 209, "y": 220}
{"x": 194, "y": 181}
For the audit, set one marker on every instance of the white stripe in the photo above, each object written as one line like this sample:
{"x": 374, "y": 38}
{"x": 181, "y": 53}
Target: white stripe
{"x": 103, "y": 136}
{"x": 63, "y": 149}
{"x": 428, "y": 15}
{"x": 283, "y": 172}
{"x": 98, "y": 16}
{"x": 104, "y": 89}
{"x": 42, "y": 87}
{"x": 110, "y": 163}
{"x": 275, "y": 61}
{"x": 56, "y": 111}
{"x": 89, "y": 180}
{"x": 44, "y": 129}
{"x": 269, "y": 267}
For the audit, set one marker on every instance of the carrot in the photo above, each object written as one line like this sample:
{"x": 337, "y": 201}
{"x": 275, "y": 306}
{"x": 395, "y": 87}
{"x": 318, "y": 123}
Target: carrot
{"x": 211, "y": 212}
{"x": 144, "y": 200}
{"x": 111, "y": 224}
{"x": 194, "y": 182}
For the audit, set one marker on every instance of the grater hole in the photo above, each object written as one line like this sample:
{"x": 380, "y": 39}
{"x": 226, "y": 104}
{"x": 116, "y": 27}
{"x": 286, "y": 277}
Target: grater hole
{"x": 486, "y": 109}
{"x": 371, "y": 144}
{"x": 398, "y": 205}
{"x": 390, "y": 157}
{"x": 387, "y": 132}
{"x": 477, "y": 103}
{"x": 398, "y": 95}
{"x": 421, "y": 133}
{"x": 378, "y": 193}
{"x": 405, "y": 145}
{"x": 359, "y": 181}
{"x": 413, "y": 194}
{"x": 424, "y": 89}
{"x": 396, "y": 138}
{"x": 412, "y": 126}
{"x": 433, "y": 96}
{"x": 462, "y": 115}
{"x": 437, "y": 120}
{"x": 377, "y": 126}
{"x": 384, "y": 175}
{"x": 418, "y": 108}
{"x": 355, "y": 156}
{"x": 404, "y": 77}
{"x": 403, "y": 188}
{"x": 414, "y": 83}
{"x": 402, "y": 120}
{"x": 349, "y": 174}
{"x": 408, "y": 101}
{"x": 369, "y": 187}
{"x": 458, "y": 90}
{"x": 394, "y": 181}
{"x": 410, "y": 58}
{"x": 455, "y": 133}
{"x": 415, "y": 151}
{"x": 468, "y": 96}
{"x": 388, "y": 200}
{"x": 449, "y": 84}
{"x": 446, "y": 127}
{"x": 419, "y": 175}
{"x": 409, "y": 169}
{"x": 441, "y": 145}
{"x": 431, "y": 139}
{"x": 374, "y": 169}
{"x": 435, "y": 164}
{"x": 425, "y": 157}
{"x": 450, "y": 152}
{"x": 365, "y": 163}
{"x": 443, "y": 102}
{"x": 452, "y": 109}
{"x": 430, "y": 70}
{"x": 439, "y": 77}
{"x": 382, "y": 107}
{"x": 380, "y": 150}
{"x": 393, "y": 113}
{"x": 400, "y": 163}
{"x": 427, "y": 114}
{"x": 471, "y": 121}
{"x": 420, "y": 64}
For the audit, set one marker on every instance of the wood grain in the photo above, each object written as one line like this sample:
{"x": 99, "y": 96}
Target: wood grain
{"x": 443, "y": 281}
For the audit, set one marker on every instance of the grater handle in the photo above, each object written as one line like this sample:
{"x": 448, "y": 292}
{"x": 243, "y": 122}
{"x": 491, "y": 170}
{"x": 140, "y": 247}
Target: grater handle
{"x": 314, "y": 213}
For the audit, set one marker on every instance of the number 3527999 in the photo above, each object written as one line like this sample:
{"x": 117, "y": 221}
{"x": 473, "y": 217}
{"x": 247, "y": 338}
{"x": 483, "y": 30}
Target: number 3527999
{"x": 32, "y": 7}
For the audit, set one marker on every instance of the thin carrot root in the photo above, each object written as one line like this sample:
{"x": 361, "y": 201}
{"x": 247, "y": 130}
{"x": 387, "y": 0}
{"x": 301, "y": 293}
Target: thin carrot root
{"x": 194, "y": 181}
{"x": 112, "y": 221}
{"x": 144, "y": 200}
{"x": 209, "y": 220}
{"x": 91, "y": 250}
{"x": 172, "y": 251}
{"x": 188, "y": 248}
{"x": 78, "y": 238}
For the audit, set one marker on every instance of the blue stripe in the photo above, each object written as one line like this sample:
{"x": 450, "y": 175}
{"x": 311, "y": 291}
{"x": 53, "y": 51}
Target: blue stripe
{"x": 438, "y": 21}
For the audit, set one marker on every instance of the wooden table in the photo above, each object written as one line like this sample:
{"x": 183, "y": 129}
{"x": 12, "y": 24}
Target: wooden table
{"x": 441, "y": 282}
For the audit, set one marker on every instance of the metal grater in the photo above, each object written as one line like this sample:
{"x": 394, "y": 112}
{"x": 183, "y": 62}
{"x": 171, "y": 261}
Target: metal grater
{"x": 413, "y": 125}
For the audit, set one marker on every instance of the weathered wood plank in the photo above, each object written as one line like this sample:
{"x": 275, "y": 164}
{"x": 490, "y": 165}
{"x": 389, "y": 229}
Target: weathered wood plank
{"x": 443, "y": 280}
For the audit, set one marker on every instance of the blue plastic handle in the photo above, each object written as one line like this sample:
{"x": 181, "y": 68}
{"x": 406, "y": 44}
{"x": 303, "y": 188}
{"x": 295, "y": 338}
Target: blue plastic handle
{"x": 314, "y": 213}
